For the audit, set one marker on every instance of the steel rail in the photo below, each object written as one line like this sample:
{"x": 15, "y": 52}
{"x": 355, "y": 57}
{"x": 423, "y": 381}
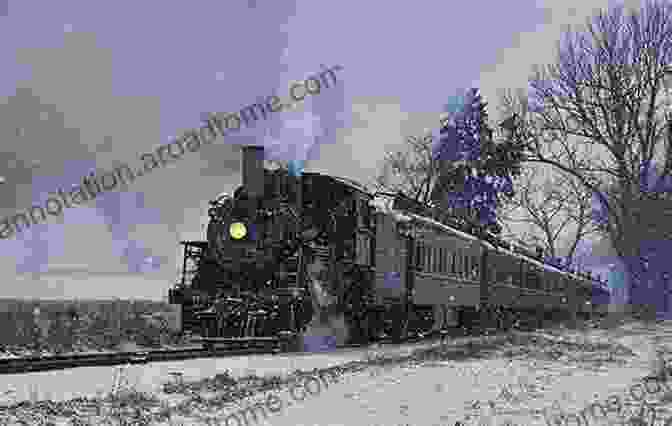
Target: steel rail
{"x": 62, "y": 362}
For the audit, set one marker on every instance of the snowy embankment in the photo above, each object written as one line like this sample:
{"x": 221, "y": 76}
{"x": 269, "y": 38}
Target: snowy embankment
{"x": 515, "y": 379}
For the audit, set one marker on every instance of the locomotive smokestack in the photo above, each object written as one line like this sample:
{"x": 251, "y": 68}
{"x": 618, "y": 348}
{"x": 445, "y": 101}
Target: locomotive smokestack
{"x": 252, "y": 170}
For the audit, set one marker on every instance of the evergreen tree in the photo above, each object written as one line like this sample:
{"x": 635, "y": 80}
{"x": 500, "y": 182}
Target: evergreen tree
{"x": 476, "y": 170}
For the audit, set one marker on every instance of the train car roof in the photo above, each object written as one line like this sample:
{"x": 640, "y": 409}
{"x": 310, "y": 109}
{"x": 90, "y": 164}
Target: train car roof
{"x": 354, "y": 184}
{"x": 456, "y": 232}
{"x": 550, "y": 268}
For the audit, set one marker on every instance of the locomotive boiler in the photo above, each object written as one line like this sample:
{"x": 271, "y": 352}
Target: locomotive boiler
{"x": 284, "y": 251}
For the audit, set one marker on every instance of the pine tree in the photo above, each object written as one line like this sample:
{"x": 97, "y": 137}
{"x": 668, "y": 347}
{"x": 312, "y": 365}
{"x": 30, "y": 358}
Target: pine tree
{"x": 475, "y": 169}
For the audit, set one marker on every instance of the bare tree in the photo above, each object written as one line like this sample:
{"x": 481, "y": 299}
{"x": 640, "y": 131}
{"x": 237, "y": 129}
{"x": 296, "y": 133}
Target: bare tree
{"x": 578, "y": 209}
{"x": 556, "y": 208}
{"x": 418, "y": 172}
{"x": 596, "y": 114}
{"x": 415, "y": 172}
{"x": 412, "y": 170}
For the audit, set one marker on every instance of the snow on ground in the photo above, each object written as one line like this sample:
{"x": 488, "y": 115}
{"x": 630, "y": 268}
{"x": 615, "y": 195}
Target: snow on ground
{"x": 92, "y": 381}
{"x": 515, "y": 379}
{"x": 444, "y": 391}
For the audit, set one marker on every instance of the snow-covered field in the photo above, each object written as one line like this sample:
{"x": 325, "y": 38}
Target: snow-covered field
{"x": 514, "y": 379}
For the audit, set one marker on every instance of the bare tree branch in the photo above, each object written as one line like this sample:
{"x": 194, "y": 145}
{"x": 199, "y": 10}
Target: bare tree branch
{"x": 556, "y": 208}
{"x": 412, "y": 170}
{"x": 597, "y": 114}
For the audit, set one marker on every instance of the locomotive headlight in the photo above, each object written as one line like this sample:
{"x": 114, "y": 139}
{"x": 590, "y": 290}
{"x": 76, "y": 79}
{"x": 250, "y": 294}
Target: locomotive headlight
{"x": 237, "y": 230}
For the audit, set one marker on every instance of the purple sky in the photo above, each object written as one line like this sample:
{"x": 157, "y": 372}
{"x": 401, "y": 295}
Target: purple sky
{"x": 86, "y": 85}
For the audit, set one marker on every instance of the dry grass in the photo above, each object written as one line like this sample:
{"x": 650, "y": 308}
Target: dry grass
{"x": 79, "y": 326}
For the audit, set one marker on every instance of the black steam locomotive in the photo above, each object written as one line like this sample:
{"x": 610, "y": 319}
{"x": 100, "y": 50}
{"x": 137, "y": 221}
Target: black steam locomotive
{"x": 283, "y": 250}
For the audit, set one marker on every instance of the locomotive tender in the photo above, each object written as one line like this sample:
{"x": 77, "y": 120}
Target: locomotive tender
{"x": 278, "y": 255}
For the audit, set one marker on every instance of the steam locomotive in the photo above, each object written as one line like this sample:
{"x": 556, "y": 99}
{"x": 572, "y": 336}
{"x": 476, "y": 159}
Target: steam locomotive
{"x": 284, "y": 250}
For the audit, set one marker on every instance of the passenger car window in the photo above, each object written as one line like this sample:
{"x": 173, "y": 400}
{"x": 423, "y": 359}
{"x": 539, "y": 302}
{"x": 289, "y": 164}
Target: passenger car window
{"x": 430, "y": 259}
{"x": 443, "y": 260}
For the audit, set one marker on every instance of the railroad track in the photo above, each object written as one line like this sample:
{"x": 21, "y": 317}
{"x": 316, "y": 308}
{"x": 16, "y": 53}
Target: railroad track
{"x": 233, "y": 347}
{"x": 224, "y": 348}
{"x": 62, "y": 362}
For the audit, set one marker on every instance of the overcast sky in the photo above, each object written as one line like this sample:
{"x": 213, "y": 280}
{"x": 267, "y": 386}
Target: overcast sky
{"x": 87, "y": 84}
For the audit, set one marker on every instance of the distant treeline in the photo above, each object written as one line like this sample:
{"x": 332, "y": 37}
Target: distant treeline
{"x": 66, "y": 325}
